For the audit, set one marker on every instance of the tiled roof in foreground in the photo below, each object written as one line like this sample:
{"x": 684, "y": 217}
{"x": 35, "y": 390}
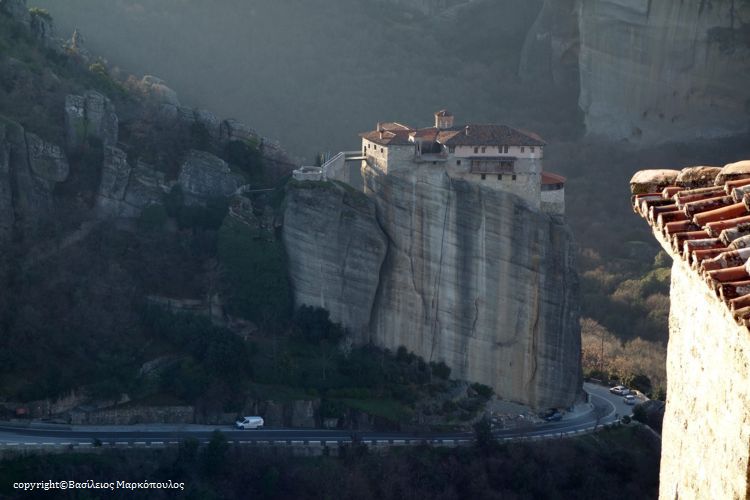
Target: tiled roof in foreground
{"x": 703, "y": 215}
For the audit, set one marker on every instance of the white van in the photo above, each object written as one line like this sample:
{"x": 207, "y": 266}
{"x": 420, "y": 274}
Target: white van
{"x": 249, "y": 423}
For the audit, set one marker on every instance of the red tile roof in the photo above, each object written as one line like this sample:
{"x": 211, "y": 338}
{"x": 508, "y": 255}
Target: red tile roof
{"x": 703, "y": 213}
{"x": 392, "y": 133}
{"x": 550, "y": 178}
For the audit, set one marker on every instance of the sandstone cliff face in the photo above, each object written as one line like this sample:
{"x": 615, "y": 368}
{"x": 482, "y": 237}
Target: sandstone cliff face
{"x": 649, "y": 71}
{"x": 476, "y": 278}
{"x": 659, "y": 71}
{"x": 706, "y": 431}
{"x": 335, "y": 249}
{"x": 469, "y": 276}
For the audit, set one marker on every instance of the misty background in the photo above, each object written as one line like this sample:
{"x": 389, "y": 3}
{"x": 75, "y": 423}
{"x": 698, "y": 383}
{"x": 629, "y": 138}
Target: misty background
{"x": 315, "y": 74}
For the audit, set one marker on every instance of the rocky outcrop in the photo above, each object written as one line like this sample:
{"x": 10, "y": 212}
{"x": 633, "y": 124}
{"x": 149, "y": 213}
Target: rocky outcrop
{"x": 125, "y": 190}
{"x": 335, "y": 249}
{"x": 47, "y": 161}
{"x": 90, "y": 115}
{"x": 475, "y": 278}
{"x": 204, "y": 176}
{"x": 29, "y": 170}
{"x": 659, "y": 71}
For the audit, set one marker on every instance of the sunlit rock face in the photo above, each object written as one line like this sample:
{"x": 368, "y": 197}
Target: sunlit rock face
{"x": 658, "y": 71}
{"x": 706, "y": 431}
{"x": 335, "y": 249}
{"x": 648, "y": 71}
{"x": 453, "y": 271}
{"x": 478, "y": 279}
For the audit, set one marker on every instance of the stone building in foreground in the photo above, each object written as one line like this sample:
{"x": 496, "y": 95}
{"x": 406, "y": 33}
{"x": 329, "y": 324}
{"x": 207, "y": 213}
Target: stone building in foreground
{"x": 701, "y": 217}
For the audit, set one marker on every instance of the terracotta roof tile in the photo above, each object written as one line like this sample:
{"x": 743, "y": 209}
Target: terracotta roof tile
{"x": 703, "y": 214}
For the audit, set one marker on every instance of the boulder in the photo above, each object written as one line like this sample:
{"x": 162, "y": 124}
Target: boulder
{"x": 157, "y": 91}
{"x": 697, "y": 177}
{"x": 653, "y": 180}
{"x": 733, "y": 171}
{"x": 204, "y": 176}
{"x": 47, "y": 161}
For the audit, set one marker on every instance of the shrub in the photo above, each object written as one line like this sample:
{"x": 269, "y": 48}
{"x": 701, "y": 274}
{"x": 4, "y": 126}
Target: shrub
{"x": 440, "y": 370}
{"x": 314, "y": 323}
{"x": 256, "y": 273}
{"x": 483, "y": 391}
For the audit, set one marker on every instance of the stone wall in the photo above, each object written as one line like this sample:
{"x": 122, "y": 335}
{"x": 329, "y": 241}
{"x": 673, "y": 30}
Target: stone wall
{"x": 706, "y": 430}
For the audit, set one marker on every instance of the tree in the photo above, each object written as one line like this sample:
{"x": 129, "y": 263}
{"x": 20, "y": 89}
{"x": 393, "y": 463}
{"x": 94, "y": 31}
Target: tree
{"x": 483, "y": 438}
{"x": 214, "y": 456}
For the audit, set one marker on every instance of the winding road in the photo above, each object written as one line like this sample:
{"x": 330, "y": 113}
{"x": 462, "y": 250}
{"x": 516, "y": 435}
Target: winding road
{"x": 606, "y": 408}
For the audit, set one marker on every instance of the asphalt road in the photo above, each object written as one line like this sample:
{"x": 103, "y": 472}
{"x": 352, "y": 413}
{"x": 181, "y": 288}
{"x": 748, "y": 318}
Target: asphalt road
{"x": 606, "y": 408}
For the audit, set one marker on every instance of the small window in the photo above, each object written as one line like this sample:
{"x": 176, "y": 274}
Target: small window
{"x": 476, "y": 150}
{"x": 434, "y": 163}
{"x": 381, "y": 150}
{"x": 499, "y": 177}
{"x": 458, "y": 162}
{"x": 514, "y": 176}
{"x": 484, "y": 176}
{"x": 532, "y": 149}
{"x": 484, "y": 150}
{"x": 505, "y": 149}
{"x": 523, "y": 149}
{"x": 452, "y": 149}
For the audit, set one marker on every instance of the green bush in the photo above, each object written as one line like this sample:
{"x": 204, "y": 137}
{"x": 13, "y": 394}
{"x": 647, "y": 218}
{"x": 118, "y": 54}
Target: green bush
{"x": 314, "y": 324}
{"x": 255, "y": 273}
{"x": 483, "y": 391}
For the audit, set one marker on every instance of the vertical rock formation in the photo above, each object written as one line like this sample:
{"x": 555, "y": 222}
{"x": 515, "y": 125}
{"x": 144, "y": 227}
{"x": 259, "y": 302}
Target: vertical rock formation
{"x": 476, "y": 278}
{"x": 453, "y": 271}
{"x": 335, "y": 249}
{"x": 90, "y": 115}
{"x": 29, "y": 170}
{"x": 654, "y": 71}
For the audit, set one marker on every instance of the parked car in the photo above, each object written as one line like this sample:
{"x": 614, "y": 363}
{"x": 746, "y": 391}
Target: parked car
{"x": 629, "y": 399}
{"x": 620, "y": 390}
{"x": 551, "y": 415}
{"x": 249, "y": 423}
{"x": 554, "y": 417}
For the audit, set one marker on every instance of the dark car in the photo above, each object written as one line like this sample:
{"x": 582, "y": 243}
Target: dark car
{"x": 551, "y": 415}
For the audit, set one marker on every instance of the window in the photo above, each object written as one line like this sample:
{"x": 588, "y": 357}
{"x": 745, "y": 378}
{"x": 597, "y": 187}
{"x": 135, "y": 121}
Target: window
{"x": 505, "y": 149}
{"x": 452, "y": 149}
{"x": 514, "y": 176}
{"x": 523, "y": 149}
{"x": 484, "y": 150}
{"x": 381, "y": 150}
{"x": 532, "y": 149}
{"x": 458, "y": 162}
{"x": 476, "y": 150}
{"x": 484, "y": 176}
{"x": 499, "y": 177}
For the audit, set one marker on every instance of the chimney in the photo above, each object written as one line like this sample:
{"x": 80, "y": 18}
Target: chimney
{"x": 443, "y": 119}
{"x": 467, "y": 130}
